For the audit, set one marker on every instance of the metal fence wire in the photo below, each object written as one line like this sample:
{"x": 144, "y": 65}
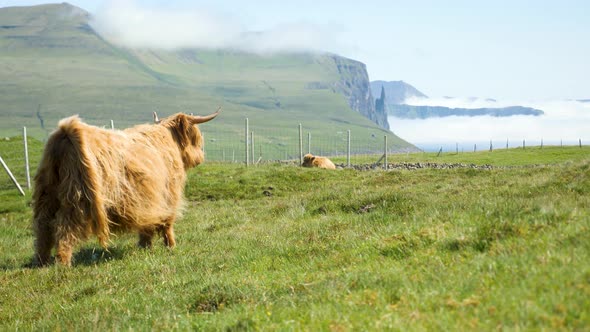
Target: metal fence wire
{"x": 251, "y": 145}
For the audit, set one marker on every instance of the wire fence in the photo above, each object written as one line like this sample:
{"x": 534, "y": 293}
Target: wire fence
{"x": 255, "y": 144}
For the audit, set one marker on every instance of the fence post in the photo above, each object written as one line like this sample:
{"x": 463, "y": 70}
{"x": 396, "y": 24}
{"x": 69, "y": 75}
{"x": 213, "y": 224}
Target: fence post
{"x": 308, "y": 142}
{"x": 12, "y": 177}
{"x": 474, "y": 147}
{"x": 348, "y": 150}
{"x": 252, "y": 145}
{"x": 580, "y": 141}
{"x": 300, "y": 144}
{"x": 112, "y": 125}
{"x": 27, "y": 172}
{"x": 491, "y": 146}
{"x": 457, "y": 148}
{"x": 385, "y": 165}
{"x": 506, "y": 143}
{"x": 541, "y": 143}
{"x": 523, "y": 145}
{"x": 247, "y": 148}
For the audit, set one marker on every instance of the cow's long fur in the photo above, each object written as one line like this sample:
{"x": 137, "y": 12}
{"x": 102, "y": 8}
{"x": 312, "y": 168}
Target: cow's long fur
{"x": 97, "y": 181}
{"x": 310, "y": 160}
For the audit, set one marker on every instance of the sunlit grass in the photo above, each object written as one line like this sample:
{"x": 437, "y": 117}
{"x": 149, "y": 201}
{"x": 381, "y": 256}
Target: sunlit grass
{"x": 278, "y": 247}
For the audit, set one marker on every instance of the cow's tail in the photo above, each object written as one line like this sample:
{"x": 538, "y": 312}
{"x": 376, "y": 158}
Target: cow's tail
{"x": 78, "y": 172}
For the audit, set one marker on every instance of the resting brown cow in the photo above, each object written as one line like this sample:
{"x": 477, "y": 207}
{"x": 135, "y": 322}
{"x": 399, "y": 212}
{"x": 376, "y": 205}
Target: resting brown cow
{"x": 310, "y": 160}
{"x": 97, "y": 181}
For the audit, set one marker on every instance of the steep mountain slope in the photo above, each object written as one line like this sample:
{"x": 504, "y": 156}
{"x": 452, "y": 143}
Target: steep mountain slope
{"x": 53, "y": 64}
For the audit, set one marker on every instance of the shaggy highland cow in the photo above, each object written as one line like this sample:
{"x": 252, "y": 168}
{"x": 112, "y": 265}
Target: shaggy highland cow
{"x": 310, "y": 160}
{"x": 97, "y": 181}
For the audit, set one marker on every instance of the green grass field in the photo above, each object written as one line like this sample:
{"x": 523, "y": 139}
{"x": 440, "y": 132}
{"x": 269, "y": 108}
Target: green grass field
{"x": 278, "y": 247}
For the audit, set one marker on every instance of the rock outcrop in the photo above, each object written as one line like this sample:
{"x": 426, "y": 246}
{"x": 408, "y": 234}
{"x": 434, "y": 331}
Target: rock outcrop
{"x": 354, "y": 84}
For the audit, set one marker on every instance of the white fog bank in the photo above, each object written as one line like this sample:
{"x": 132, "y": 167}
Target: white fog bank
{"x": 135, "y": 24}
{"x": 563, "y": 121}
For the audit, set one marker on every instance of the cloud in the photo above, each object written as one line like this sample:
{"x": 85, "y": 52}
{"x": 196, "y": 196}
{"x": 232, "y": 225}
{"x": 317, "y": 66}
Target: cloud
{"x": 563, "y": 120}
{"x": 461, "y": 102}
{"x": 126, "y": 23}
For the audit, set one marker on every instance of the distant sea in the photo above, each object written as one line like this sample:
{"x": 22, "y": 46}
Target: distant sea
{"x": 564, "y": 122}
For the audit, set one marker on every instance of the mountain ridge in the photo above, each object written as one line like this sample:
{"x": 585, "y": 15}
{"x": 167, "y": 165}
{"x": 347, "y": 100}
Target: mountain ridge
{"x": 64, "y": 67}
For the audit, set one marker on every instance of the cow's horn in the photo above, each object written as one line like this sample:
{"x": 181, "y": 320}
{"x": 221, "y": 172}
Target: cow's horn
{"x": 156, "y": 119}
{"x": 201, "y": 119}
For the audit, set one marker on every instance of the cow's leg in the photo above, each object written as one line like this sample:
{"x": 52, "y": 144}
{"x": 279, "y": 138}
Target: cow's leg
{"x": 69, "y": 231}
{"x": 168, "y": 233}
{"x": 145, "y": 238}
{"x": 44, "y": 240}
{"x": 44, "y": 210}
{"x": 65, "y": 246}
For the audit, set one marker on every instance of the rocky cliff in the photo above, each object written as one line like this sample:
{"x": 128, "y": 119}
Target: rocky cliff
{"x": 354, "y": 84}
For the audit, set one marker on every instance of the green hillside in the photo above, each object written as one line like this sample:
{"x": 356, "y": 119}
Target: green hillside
{"x": 53, "y": 65}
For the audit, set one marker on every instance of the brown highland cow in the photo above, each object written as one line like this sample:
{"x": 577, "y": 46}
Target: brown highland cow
{"x": 97, "y": 181}
{"x": 310, "y": 160}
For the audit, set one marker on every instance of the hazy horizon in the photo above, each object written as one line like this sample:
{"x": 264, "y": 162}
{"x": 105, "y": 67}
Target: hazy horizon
{"x": 563, "y": 122}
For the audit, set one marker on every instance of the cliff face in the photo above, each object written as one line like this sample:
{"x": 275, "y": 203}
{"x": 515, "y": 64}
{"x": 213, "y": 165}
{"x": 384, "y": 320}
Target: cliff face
{"x": 354, "y": 84}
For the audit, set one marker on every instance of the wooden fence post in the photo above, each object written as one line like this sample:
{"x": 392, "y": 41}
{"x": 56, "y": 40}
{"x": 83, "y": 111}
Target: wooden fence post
{"x": 11, "y": 176}
{"x": 247, "y": 148}
{"x": 348, "y": 150}
{"x": 300, "y": 144}
{"x": 252, "y": 146}
{"x": 385, "y": 165}
{"x": 27, "y": 172}
{"x": 112, "y": 125}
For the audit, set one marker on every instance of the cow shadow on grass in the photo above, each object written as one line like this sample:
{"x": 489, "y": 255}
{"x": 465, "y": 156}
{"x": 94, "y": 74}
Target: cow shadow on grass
{"x": 95, "y": 256}
{"x": 82, "y": 257}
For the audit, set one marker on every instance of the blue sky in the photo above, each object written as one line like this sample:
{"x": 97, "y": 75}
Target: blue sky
{"x": 512, "y": 50}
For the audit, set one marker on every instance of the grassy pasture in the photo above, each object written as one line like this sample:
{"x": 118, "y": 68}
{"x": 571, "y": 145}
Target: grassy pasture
{"x": 278, "y": 247}
{"x": 534, "y": 155}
